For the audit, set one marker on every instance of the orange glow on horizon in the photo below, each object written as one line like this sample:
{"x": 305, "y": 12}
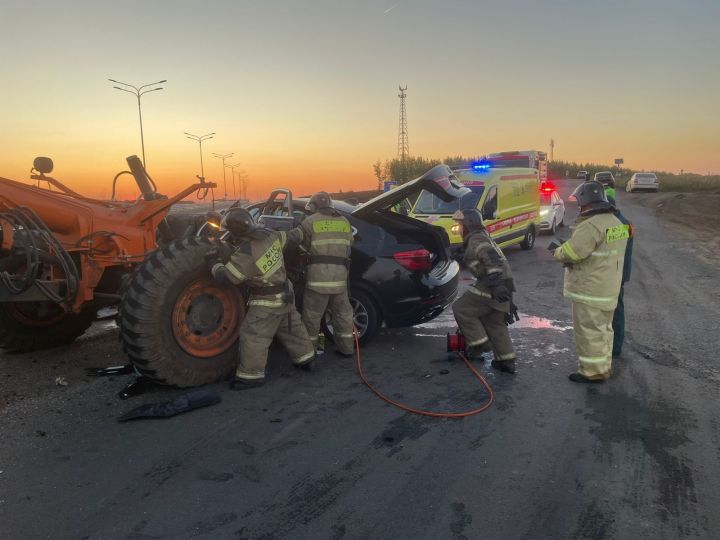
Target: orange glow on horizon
{"x": 306, "y": 98}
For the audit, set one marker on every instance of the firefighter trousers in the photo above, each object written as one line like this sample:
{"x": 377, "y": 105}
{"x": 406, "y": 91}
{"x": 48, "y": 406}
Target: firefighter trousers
{"x": 315, "y": 305}
{"x": 257, "y": 331}
{"x": 618, "y": 325}
{"x": 593, "y": 340}
{"x": 480, "y": 323}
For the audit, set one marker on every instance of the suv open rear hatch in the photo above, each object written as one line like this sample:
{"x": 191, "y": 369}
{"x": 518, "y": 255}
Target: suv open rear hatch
{"x": 440, "y": 181}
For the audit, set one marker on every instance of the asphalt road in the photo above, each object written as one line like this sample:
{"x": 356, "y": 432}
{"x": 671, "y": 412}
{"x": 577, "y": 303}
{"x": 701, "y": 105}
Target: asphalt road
{"x": 318, "y": 456}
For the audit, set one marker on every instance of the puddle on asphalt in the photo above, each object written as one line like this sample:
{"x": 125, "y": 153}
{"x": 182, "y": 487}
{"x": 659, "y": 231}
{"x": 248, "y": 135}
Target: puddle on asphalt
{"x": 548, "y": 350}
{"x": 530, "y": 321}
{"x": 446, "y": 321}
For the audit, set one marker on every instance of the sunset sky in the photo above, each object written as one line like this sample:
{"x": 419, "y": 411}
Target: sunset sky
{"x": 305, "y": 92}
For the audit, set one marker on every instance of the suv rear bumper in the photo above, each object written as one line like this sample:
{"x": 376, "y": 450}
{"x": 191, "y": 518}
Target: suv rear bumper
{"x": 431, "y": 295}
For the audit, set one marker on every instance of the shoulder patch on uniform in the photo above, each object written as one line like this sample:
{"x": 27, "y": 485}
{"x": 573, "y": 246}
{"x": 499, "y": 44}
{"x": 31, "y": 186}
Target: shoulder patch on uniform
{"x": 618, "y": 232}
{"x": 331, "y": 226}
{"x": 271, "y": 259}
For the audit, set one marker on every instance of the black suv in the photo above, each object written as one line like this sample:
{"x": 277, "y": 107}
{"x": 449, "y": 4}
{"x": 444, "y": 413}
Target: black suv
{"x": 402, "y": 273}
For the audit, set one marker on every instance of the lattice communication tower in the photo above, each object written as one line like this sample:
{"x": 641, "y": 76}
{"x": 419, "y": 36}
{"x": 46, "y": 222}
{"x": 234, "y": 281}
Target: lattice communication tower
{"x": 403, "y": 145}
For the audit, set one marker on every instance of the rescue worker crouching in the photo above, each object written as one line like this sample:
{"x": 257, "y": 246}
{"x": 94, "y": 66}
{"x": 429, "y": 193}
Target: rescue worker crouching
{"x": 258, "y": 262}
{"x": 593, "y": 260}
{"x": 327, "y": 237}
{"x": 481, "y": 313}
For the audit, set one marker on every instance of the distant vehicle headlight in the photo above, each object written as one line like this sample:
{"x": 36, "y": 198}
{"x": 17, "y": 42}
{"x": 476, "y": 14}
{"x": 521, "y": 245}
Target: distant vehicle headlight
{"x": 455, "y": 229}
{"x": 544, "y": 212}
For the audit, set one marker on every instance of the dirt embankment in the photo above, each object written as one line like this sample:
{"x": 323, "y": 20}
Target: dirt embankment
{"x": 698, "y": 213}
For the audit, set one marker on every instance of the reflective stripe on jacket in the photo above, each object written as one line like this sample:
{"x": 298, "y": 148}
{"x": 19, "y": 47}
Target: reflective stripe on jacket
{"x": 595, "y": 254}
{"x": 327, "y": 233}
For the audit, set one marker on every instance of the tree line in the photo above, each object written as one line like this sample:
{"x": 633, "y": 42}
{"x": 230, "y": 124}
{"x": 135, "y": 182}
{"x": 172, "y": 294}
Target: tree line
{"x": 410, "y": 168}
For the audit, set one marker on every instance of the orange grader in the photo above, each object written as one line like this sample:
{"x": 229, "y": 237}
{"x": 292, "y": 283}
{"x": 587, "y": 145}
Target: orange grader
{"x": 63, "y": 255}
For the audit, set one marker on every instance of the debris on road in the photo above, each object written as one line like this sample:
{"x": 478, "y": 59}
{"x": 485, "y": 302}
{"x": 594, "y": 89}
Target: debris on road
{"x": 109, "y": 371}
{"x": 61, "y": 381}
{"x": 181, "y": 404}
{"x": 136, "y": 388}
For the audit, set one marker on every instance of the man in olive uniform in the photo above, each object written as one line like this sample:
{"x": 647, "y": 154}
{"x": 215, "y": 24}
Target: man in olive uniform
{"x": 327, "y": 237}
{"x": 593, "y": 260}
{"x": 618, "y": 322}
{"x": 258, "y": 262}
{"x": 481, "y": 312}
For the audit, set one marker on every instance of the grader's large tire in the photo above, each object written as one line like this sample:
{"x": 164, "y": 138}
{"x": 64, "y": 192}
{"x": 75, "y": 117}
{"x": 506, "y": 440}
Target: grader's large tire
{"x": 30, "y": 326}
{"x": 178, "y": 326}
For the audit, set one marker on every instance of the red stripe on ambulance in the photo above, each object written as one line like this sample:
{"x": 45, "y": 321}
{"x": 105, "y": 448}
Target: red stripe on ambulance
{"x": 511, "y": 221}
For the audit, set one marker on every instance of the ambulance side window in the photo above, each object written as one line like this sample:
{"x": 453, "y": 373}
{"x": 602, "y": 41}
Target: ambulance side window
{"x": 490, "y": 206}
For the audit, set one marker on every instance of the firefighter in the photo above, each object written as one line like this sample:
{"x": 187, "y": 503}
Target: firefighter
{"x": 258, "y": 262}
{"x": 327, "y": 237}
{"x": 618, "y": 321}
{"x": 593, "y": 260}
{"x": 481, "y": 313}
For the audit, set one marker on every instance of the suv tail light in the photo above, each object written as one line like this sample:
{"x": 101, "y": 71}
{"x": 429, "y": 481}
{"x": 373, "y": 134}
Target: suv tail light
{"x": 417, "y": 259}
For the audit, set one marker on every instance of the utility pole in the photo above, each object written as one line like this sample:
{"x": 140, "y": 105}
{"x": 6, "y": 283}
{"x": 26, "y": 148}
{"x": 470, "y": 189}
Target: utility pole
{"x": 552, "y": 150}
{"x": 232, "y": 174}
{"x": 224, "y": 157}
{"x": 200, "y": 139}
{"x": 139, "y": 92}
{"x": 242, "y": 179}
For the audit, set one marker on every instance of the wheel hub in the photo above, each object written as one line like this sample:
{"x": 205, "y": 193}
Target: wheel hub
{"x": 206, "y": 318}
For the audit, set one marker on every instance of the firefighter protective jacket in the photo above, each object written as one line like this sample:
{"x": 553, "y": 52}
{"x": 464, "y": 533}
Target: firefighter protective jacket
{"x": 488, "y": 264}
{"x": 627, "y": 263}
{"x": 327, "y": 237}
{"x": 594, "y": 257}
{"x": 259, "y": 263}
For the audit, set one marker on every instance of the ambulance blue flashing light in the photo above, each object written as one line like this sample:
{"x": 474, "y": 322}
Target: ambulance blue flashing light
{"x": 482, "y": 166}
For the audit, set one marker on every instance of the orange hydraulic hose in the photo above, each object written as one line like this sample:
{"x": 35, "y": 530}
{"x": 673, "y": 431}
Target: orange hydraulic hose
{"x": 484, "y": 407}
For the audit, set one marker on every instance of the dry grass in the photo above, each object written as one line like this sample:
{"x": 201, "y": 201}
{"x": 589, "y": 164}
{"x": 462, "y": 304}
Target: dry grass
{"x": 688, "y": 182}
{"x": 668, "y": 181}
{"x": 680, "y": 182}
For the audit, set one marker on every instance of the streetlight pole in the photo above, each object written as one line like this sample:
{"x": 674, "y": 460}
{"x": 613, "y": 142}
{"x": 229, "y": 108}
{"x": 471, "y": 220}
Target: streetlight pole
{"x": 138, "y": 92}
{"x": 242, "y": 178}
{"x": 224, "y": 157}
{"x": 232, "y": 173}
{"x": 200, "y": 139}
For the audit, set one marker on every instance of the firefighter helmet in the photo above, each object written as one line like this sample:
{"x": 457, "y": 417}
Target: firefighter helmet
{"x": 320, "y": 200}
{"x": 470, "y": 219}
{"x": 590, "y": 196}
{"x": 238, "y": 222}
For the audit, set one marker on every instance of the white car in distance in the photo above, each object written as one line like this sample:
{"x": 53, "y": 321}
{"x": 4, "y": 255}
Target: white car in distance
{"x": 642, "y": 181}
